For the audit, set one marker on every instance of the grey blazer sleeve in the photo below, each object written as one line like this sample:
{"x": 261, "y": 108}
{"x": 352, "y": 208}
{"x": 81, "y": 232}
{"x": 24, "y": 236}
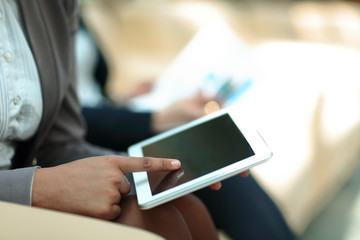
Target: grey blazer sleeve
{"x": 16, "y": 185}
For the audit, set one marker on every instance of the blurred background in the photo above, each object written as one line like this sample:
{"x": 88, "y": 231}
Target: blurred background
{"x": 303, "y": 59}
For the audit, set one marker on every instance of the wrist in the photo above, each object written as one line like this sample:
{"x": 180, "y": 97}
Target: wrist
{"x": 164, "y": 120}
{"x": 41, "y": 190}
{"x": 156, "y": 121}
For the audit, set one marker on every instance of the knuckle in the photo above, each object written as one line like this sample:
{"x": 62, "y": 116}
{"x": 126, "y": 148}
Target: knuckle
{"x": 164, "y": 164}
{"x": 114, "y": 196}
{"x": 107, "y": 158}
{"x": 105, "y": 212}
{"x": 110, "y": 158}
{"x": 119, "y": 178}
{"x": 115, "y": 176}
{"x": 146, "y": 163}
{"x": 126, "y": 189}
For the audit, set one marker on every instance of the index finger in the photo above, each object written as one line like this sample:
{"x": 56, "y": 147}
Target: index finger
{"x": 138, "y": 164}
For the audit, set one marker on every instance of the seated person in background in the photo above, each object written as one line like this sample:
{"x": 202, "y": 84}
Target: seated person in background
{"x": 246, "y": 211}
{"x": 117, "y": 126}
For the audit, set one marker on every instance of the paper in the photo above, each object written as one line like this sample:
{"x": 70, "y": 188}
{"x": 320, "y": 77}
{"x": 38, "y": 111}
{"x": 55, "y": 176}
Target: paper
{"x": 214, "y": 53}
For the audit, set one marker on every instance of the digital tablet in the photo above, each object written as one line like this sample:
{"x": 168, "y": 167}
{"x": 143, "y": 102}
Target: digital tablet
{"x": 210, "y": 149}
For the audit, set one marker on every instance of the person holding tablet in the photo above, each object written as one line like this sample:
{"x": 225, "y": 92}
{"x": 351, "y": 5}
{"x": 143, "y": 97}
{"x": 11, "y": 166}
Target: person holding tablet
{"x": 44, "y": 159}
{"x": 246, "y": 210}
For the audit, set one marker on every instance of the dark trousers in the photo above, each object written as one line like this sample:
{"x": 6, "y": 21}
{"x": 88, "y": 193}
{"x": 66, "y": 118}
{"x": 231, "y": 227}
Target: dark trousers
{"x": 244, "y": 211}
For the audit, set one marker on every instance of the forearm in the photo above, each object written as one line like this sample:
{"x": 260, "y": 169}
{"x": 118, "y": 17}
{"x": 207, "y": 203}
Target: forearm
{"x": 16, "y": 185}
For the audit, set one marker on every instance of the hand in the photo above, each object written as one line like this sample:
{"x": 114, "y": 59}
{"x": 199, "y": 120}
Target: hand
{"x": 91, "y": 186}
{"x": 167, "y": 181}
{"x": 179, "y": 113}
{"x": 217, "y": 186}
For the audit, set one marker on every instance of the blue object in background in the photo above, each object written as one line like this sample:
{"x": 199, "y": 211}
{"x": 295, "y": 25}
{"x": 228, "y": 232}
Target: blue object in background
{"x": 240, "y": 90}
{"x": 226, "y": 89}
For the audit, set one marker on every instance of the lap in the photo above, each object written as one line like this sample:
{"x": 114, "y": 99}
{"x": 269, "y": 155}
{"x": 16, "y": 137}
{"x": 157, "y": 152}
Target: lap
{"x": 174, "y": 220}
{"x": 244, "y": 211}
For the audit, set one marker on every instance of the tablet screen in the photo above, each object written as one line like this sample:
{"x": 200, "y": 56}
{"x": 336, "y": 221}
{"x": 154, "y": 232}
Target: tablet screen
{"x": 201, "y": 149}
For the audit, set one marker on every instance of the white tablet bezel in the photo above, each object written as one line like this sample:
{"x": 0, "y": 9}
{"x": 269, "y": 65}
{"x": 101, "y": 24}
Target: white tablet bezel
{"x": 261, "y": 153}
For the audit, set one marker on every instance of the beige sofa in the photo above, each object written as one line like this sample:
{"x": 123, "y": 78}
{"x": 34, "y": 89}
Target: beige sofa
{"x": 22, "y": 222}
